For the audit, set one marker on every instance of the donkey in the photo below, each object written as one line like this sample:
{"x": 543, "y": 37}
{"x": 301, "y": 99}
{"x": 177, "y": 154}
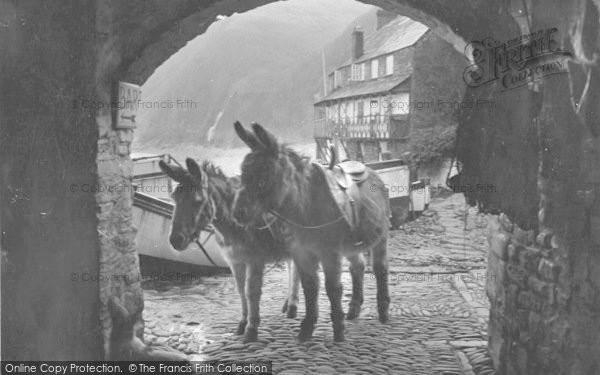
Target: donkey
{"x": 204, "y": 196}
{"x": 277, "y": 180}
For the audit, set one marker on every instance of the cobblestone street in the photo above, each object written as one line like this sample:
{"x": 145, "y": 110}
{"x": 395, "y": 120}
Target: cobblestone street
{"x": 438, "y": 322}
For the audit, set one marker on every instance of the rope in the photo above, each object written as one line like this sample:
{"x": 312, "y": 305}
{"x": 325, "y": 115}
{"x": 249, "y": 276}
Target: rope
{"x": 201, "y": 246}
{"x": 267, "y": 224}
{"x": 274, "y": 264}
{"x": 293, "y": 223}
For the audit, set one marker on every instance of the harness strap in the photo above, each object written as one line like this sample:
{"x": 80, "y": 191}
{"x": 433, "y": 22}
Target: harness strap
{"x": 201, "y": 246}
{"x": 291, "y": 222}
{"x": 273, "y": 265}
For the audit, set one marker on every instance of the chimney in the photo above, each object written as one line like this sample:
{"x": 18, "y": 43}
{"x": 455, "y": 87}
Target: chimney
{"x": 357, "y": 42}
{"x": 384, "y": 17}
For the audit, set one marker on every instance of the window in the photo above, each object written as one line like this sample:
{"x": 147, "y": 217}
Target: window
{"x": 350, "y": 111}
{"x": 360, "y": 110}
{"x": 375, "y": 68}
{"x": 354, "y": 72}
{"x": 335, "y": 112}
{"x": 337, "y": 79}
{"x": 358, "y": 72}
{"x": 367, "y": 108}
{"x": 343, "y": 106}
{"x": 389, "y": 64}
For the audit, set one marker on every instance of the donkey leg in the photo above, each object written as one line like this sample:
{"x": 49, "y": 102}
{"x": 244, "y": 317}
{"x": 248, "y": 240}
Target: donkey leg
{"x": 380, "y": 268}
{"x": 332, "y": 267}
{"x": 357, "y": 270}
{"x": 284, "y": 309}
{"x": 294, "y": 289}
{"x": 239, "y": 272}
{"x": 307, "y": 267}
{"x": 254, "y": 280}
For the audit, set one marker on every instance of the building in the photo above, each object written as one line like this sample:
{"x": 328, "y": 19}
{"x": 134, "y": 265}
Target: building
{"x": 401, "y": 81}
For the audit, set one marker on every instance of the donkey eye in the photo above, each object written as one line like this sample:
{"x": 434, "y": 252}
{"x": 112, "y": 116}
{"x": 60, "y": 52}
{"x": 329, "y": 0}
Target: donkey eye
{"x": 262, "y": 183}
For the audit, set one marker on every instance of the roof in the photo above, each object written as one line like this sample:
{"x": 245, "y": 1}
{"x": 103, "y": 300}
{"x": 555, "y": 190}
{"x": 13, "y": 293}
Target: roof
{"x": 399, "y": 33}
{"x": 366, "y": 88}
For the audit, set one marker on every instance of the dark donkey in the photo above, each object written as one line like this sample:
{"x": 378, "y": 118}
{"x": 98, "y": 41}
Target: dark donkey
{"x": 205, "y": 196}
{"x": 277, "y": 180}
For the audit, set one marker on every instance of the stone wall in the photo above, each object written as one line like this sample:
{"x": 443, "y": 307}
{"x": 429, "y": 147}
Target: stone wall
{"x": 546, "y": 294}
{"x": 537, "y": 324}
{"x": 119, "y": 260}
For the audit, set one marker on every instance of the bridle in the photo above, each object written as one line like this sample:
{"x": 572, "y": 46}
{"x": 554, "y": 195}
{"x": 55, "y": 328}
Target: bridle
{"x": 209, "y": 228}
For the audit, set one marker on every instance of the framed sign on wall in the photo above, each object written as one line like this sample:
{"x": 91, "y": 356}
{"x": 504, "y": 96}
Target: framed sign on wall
{"x": 128, "y": 98}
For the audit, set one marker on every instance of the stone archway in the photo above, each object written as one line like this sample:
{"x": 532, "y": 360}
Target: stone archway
{"x": 134, "y": 59}
{"x": 57, "y": 133}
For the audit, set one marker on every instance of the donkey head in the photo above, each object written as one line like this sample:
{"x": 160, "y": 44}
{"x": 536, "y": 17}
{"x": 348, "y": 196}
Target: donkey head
{"x": 194, "y": 207}
{"x": 266, "y": 175}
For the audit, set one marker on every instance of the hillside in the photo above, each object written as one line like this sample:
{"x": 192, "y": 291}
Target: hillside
{"x": 264, "y": 65}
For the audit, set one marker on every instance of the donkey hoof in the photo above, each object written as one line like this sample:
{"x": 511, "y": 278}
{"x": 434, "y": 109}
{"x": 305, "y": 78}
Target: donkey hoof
{"x": 353, "y": 312}
{"x": 384, "y": 317}
{"x": 339, "y": 336}
{"x": 241, "y": 327}
{"x": 251, "y": 335}
{"x": 304, "y": 336}
{"x": 307, "y": 327}
{"x": 292, "y": 311}
{"x": 285, "y": 307}
{"x": 306, "y": 330}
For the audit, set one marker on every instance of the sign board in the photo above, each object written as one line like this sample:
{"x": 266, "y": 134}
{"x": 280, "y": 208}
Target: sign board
{"x": 128, "y": 99}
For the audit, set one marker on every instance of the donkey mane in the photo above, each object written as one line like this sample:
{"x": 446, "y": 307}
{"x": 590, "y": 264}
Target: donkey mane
{"x": 300, "y": 161}
{"x": 212, "y": 170}
{"x": 223, "y": 190}
{"x": 298, "y": 176}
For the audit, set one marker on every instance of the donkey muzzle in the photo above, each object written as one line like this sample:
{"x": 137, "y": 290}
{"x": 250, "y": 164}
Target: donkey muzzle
{"x": 178, "y": 241}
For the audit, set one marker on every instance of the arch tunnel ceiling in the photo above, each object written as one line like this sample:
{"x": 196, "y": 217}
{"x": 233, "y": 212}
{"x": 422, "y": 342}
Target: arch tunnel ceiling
{"x": 157, "y": 29}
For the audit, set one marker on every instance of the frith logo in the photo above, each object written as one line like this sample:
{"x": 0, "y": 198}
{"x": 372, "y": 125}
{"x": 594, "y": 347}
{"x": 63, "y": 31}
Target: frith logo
{"x": 516, "y": 62}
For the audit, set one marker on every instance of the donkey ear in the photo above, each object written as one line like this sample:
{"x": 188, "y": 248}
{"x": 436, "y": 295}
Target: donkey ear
{"x": 176, "y": 173}
{"x": 195, "y": 169}
{"x": 246, "y": 136}
{"x": 265, "y": 137}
